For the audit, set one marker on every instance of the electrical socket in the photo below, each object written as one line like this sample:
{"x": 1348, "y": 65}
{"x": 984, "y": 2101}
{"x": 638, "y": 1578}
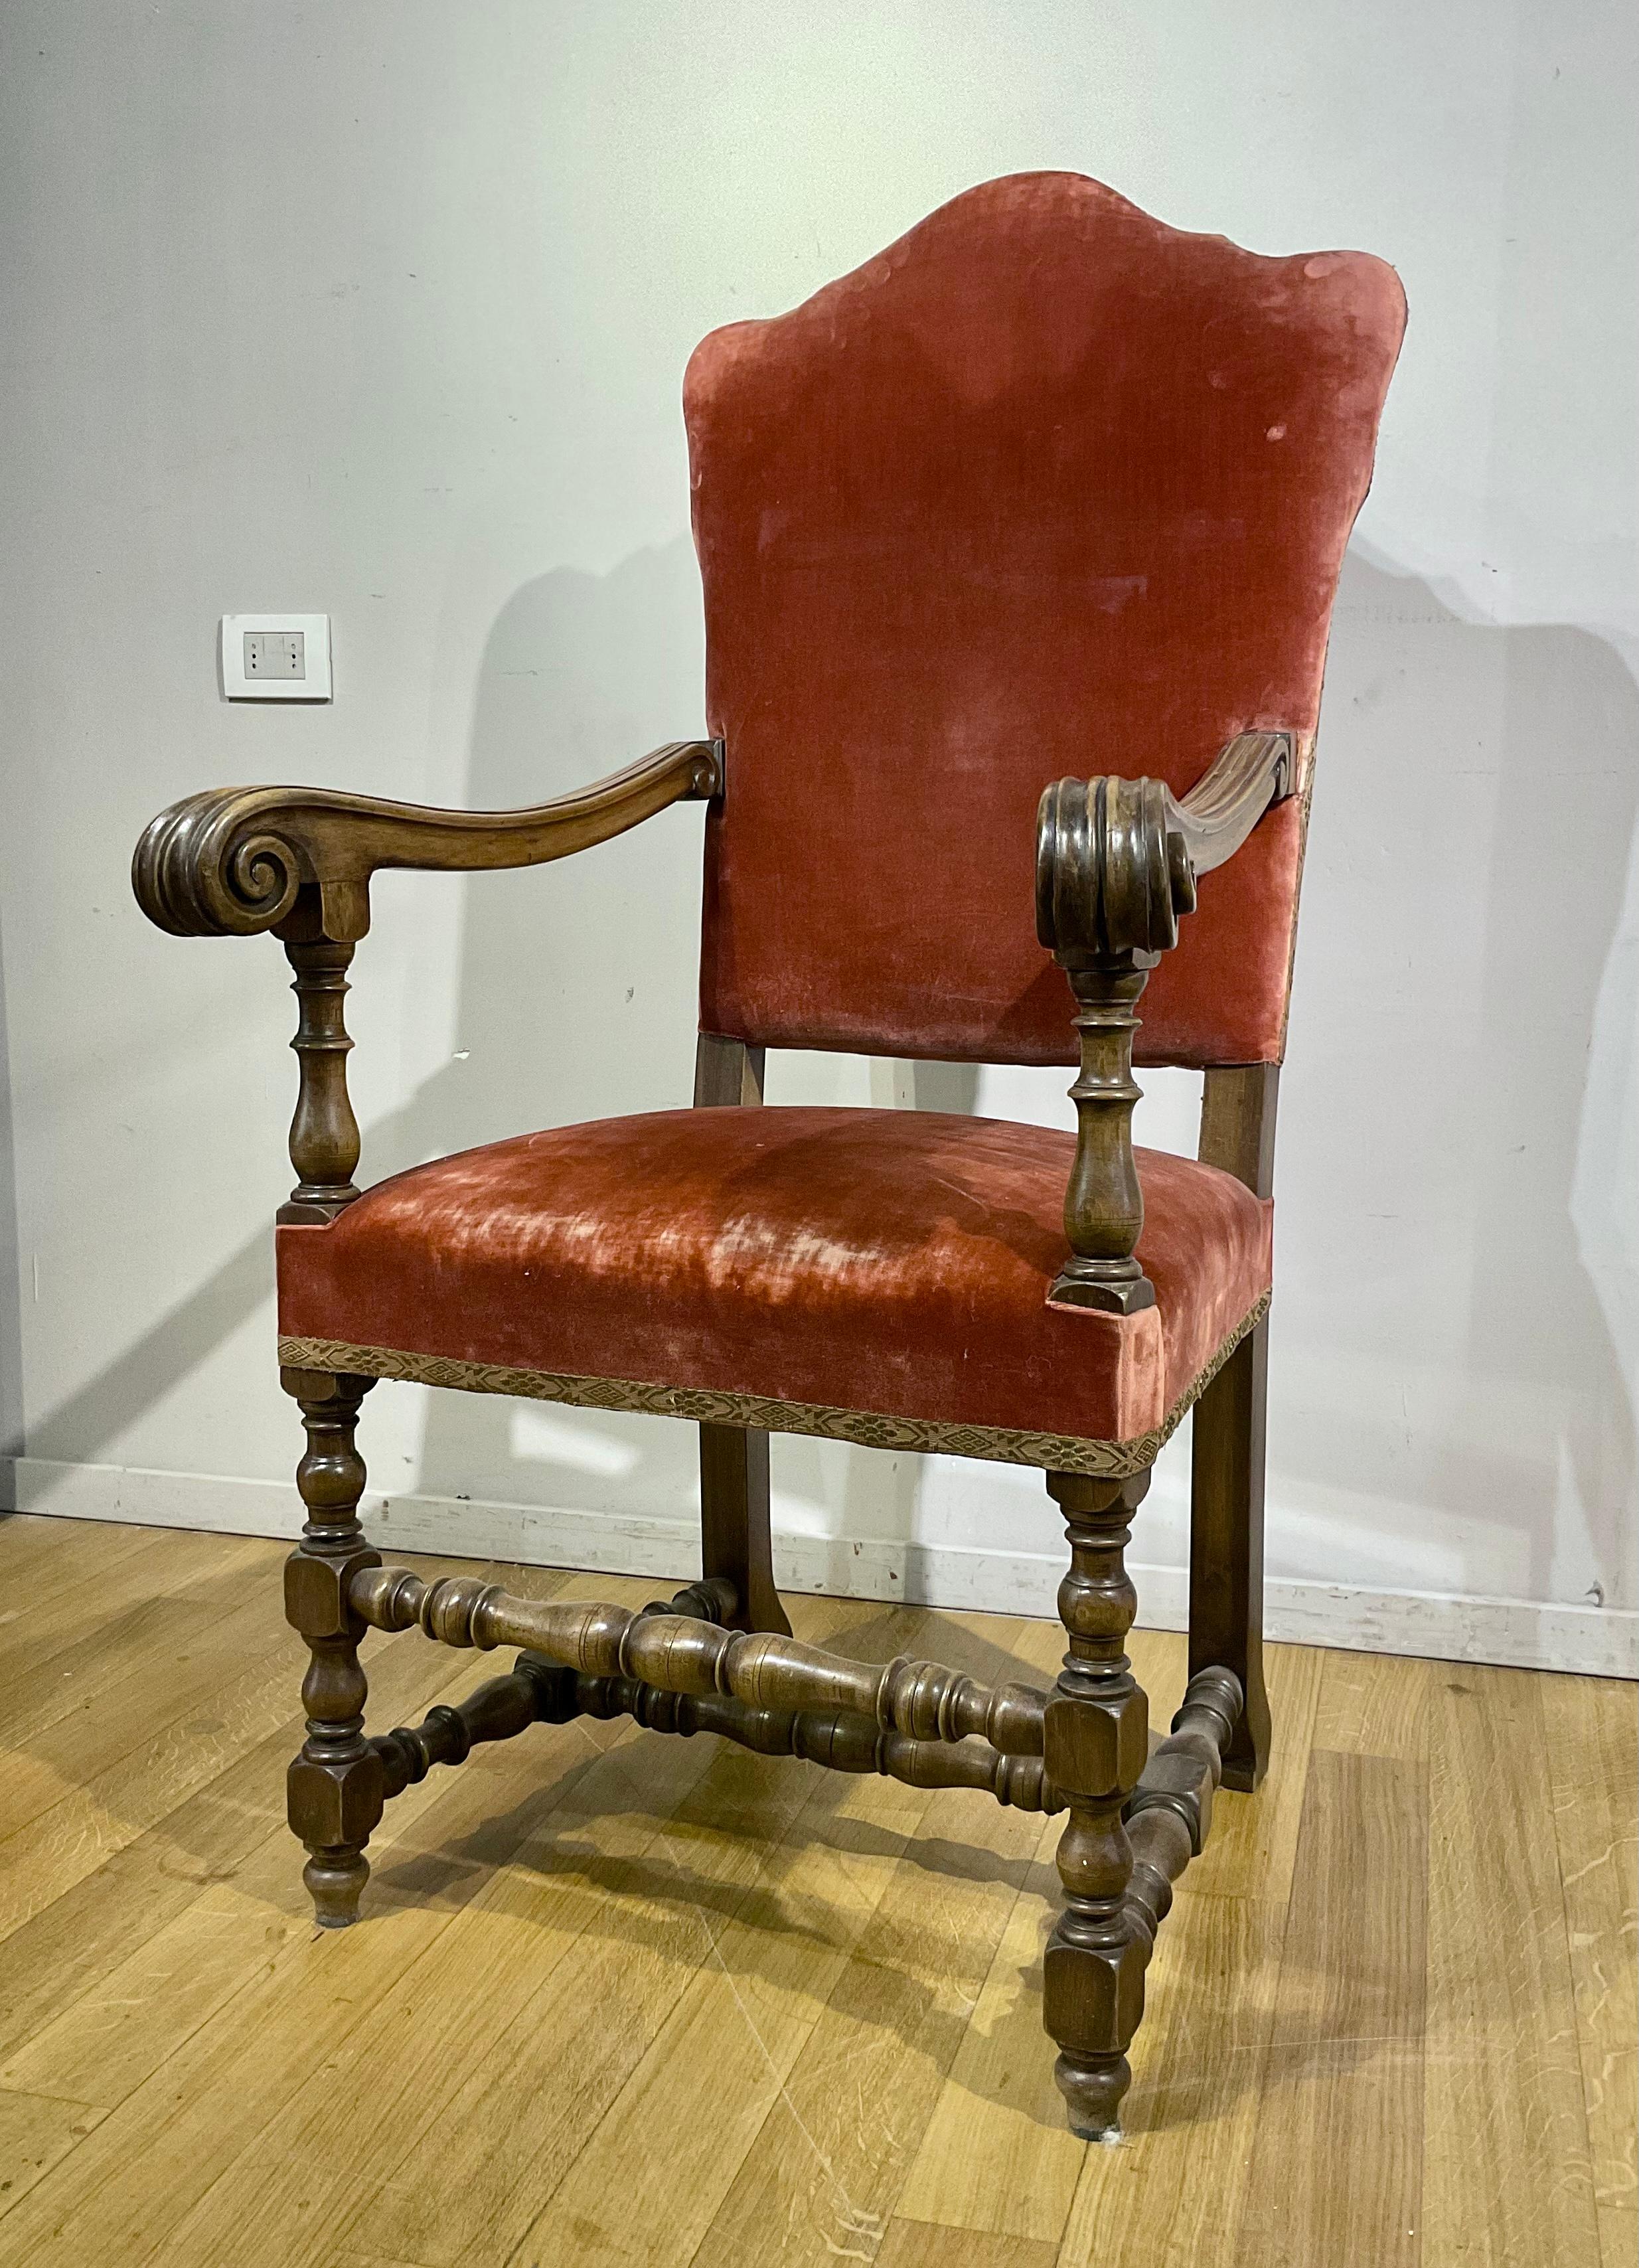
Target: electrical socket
{"x": 276, "y": 656}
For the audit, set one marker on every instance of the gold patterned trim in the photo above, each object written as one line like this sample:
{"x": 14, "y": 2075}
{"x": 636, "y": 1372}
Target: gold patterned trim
{"x": 1065, "y": 1452}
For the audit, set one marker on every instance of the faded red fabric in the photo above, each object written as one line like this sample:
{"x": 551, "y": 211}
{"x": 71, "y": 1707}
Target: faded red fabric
{"x": 1046, "y": 487}
{"x": 875, "y": 1260}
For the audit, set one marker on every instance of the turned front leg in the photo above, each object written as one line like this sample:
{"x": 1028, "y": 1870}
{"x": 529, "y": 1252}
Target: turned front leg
{"x": 1096, "y": 1739}
{"x": 336, "y": 1790}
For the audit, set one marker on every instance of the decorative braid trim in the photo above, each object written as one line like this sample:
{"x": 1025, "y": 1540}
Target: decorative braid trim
{"x": 1065, "y": 1452}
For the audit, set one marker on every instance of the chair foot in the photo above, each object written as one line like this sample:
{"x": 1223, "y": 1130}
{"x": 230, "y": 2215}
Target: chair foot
{"x": 336, "y": 1880}
{"x": 1092, "y": 2087}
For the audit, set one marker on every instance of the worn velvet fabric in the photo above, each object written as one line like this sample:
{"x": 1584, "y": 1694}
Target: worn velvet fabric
{"x": 885, "y": 1261}
{"x": 1046, "y": 487}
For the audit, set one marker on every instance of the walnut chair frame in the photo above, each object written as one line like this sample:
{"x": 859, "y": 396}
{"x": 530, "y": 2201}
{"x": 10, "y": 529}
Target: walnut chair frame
{"x": 1117, "y": 864}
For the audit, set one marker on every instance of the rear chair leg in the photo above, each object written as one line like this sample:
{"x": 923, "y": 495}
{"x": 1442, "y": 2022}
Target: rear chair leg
{"x": 1095, "y": 1745}
{"x": 334, "y": 1790}
{"x": 734, "y": 1538}
{"x": 1226, "y": 1547}
{"x": 734, "y": 1541}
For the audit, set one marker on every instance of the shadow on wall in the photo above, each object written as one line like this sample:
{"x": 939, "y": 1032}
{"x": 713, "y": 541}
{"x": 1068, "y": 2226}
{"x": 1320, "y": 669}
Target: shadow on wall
{"x": 1439, "y": 1346}
{"x": 574, "y": 1002}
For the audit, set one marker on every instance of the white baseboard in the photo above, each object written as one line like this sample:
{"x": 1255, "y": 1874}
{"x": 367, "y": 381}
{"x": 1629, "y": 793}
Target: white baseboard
{"x": 1524, "y": 1633}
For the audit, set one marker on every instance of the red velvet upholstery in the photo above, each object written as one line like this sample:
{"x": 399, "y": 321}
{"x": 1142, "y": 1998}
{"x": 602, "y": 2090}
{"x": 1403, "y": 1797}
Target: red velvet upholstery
{"x": 1046, "y": 487}
{"x": 884, "y": 1261}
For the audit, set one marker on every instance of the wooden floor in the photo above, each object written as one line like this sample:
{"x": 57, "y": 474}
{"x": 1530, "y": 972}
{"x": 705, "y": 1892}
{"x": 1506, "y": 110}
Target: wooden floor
{"x": 625, "y": 1999}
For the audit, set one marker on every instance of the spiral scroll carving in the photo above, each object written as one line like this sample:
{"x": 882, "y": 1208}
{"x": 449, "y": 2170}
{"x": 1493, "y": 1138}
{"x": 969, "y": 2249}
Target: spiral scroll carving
{"x": 1117, "y": 859}
{"x": 204, "y": 869}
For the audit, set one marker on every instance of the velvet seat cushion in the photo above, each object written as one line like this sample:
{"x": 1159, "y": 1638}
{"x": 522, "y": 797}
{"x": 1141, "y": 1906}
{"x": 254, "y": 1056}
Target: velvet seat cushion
{"x": 883, "y": 1261}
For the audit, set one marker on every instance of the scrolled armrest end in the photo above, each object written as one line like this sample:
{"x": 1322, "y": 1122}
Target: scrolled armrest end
{"x": 218, "y": 864}
{"x": 1112, "y": 872}
{"x": 1116, "y": 864}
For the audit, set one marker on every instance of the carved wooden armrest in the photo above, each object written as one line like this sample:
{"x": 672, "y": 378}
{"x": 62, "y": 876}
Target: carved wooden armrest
{"x": 236, "y": 860}
{"x": 297, "y": 860}
{"x": 1116, "y": 866}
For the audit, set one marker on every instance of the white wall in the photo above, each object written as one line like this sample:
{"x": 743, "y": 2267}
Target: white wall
{"x": 382, "y": 309}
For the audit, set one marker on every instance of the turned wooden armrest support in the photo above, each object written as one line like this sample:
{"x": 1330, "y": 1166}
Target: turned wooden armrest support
{"x": 1116, "y": 866}
{"x": 234, "y": 862}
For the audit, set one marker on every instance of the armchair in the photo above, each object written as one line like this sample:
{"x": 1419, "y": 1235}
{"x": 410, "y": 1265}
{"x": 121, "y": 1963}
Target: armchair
{"x": 1046, "y": 478}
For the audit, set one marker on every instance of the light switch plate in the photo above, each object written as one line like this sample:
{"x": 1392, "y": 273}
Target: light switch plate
{"x": 276, "y": 656}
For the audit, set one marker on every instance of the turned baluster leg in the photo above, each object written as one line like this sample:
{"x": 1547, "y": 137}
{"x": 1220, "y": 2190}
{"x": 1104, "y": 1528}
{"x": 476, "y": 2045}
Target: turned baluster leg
{"x": 1095, "y": 1745}
{"x": 336, "y": 1789}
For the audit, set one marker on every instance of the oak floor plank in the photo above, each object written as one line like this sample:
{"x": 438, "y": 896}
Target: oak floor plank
{"x": 822, "y": 2177}
{"x": 1336, "y": 2172}
{"x": 760, "y": 1986}
{"x": 102, "y": 2046}
{"x": 213, "y": 2099}
{"x": 1618, "y": 2236}
{"x": 85, "y": 1932}
{"x": 37, "y": 1545}
{"x": 925, "y": 2245}
{"x": 1169, "y": 2194}
{"x": 38, "y": 1623}
{"x": 829, "y": 2166}
{"x": 36, "y": 2132}
{"x": 1507, "y": 2175}
{"x": 542, "y": 1976}
{"x": 93, "y": 1820}
{"x": 1593, "y": 1760}
{"x": 1374, "y": 1704}
{"x": 711, "y": 1863}
{"x": 102, "y": 1673}
{"x": 997, "y": 2155}
{"x": 373, "y": 2260}
{"x": 544, "y": 2044}
{"x": 190, "y": 1649}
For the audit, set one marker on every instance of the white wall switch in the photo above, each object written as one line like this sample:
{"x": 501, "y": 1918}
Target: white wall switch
{"x": 276, "y": 656}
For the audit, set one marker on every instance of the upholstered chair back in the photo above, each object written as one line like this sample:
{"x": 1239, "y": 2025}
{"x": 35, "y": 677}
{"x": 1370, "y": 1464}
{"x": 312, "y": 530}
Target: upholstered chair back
{"x": 1046, "y": 487}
